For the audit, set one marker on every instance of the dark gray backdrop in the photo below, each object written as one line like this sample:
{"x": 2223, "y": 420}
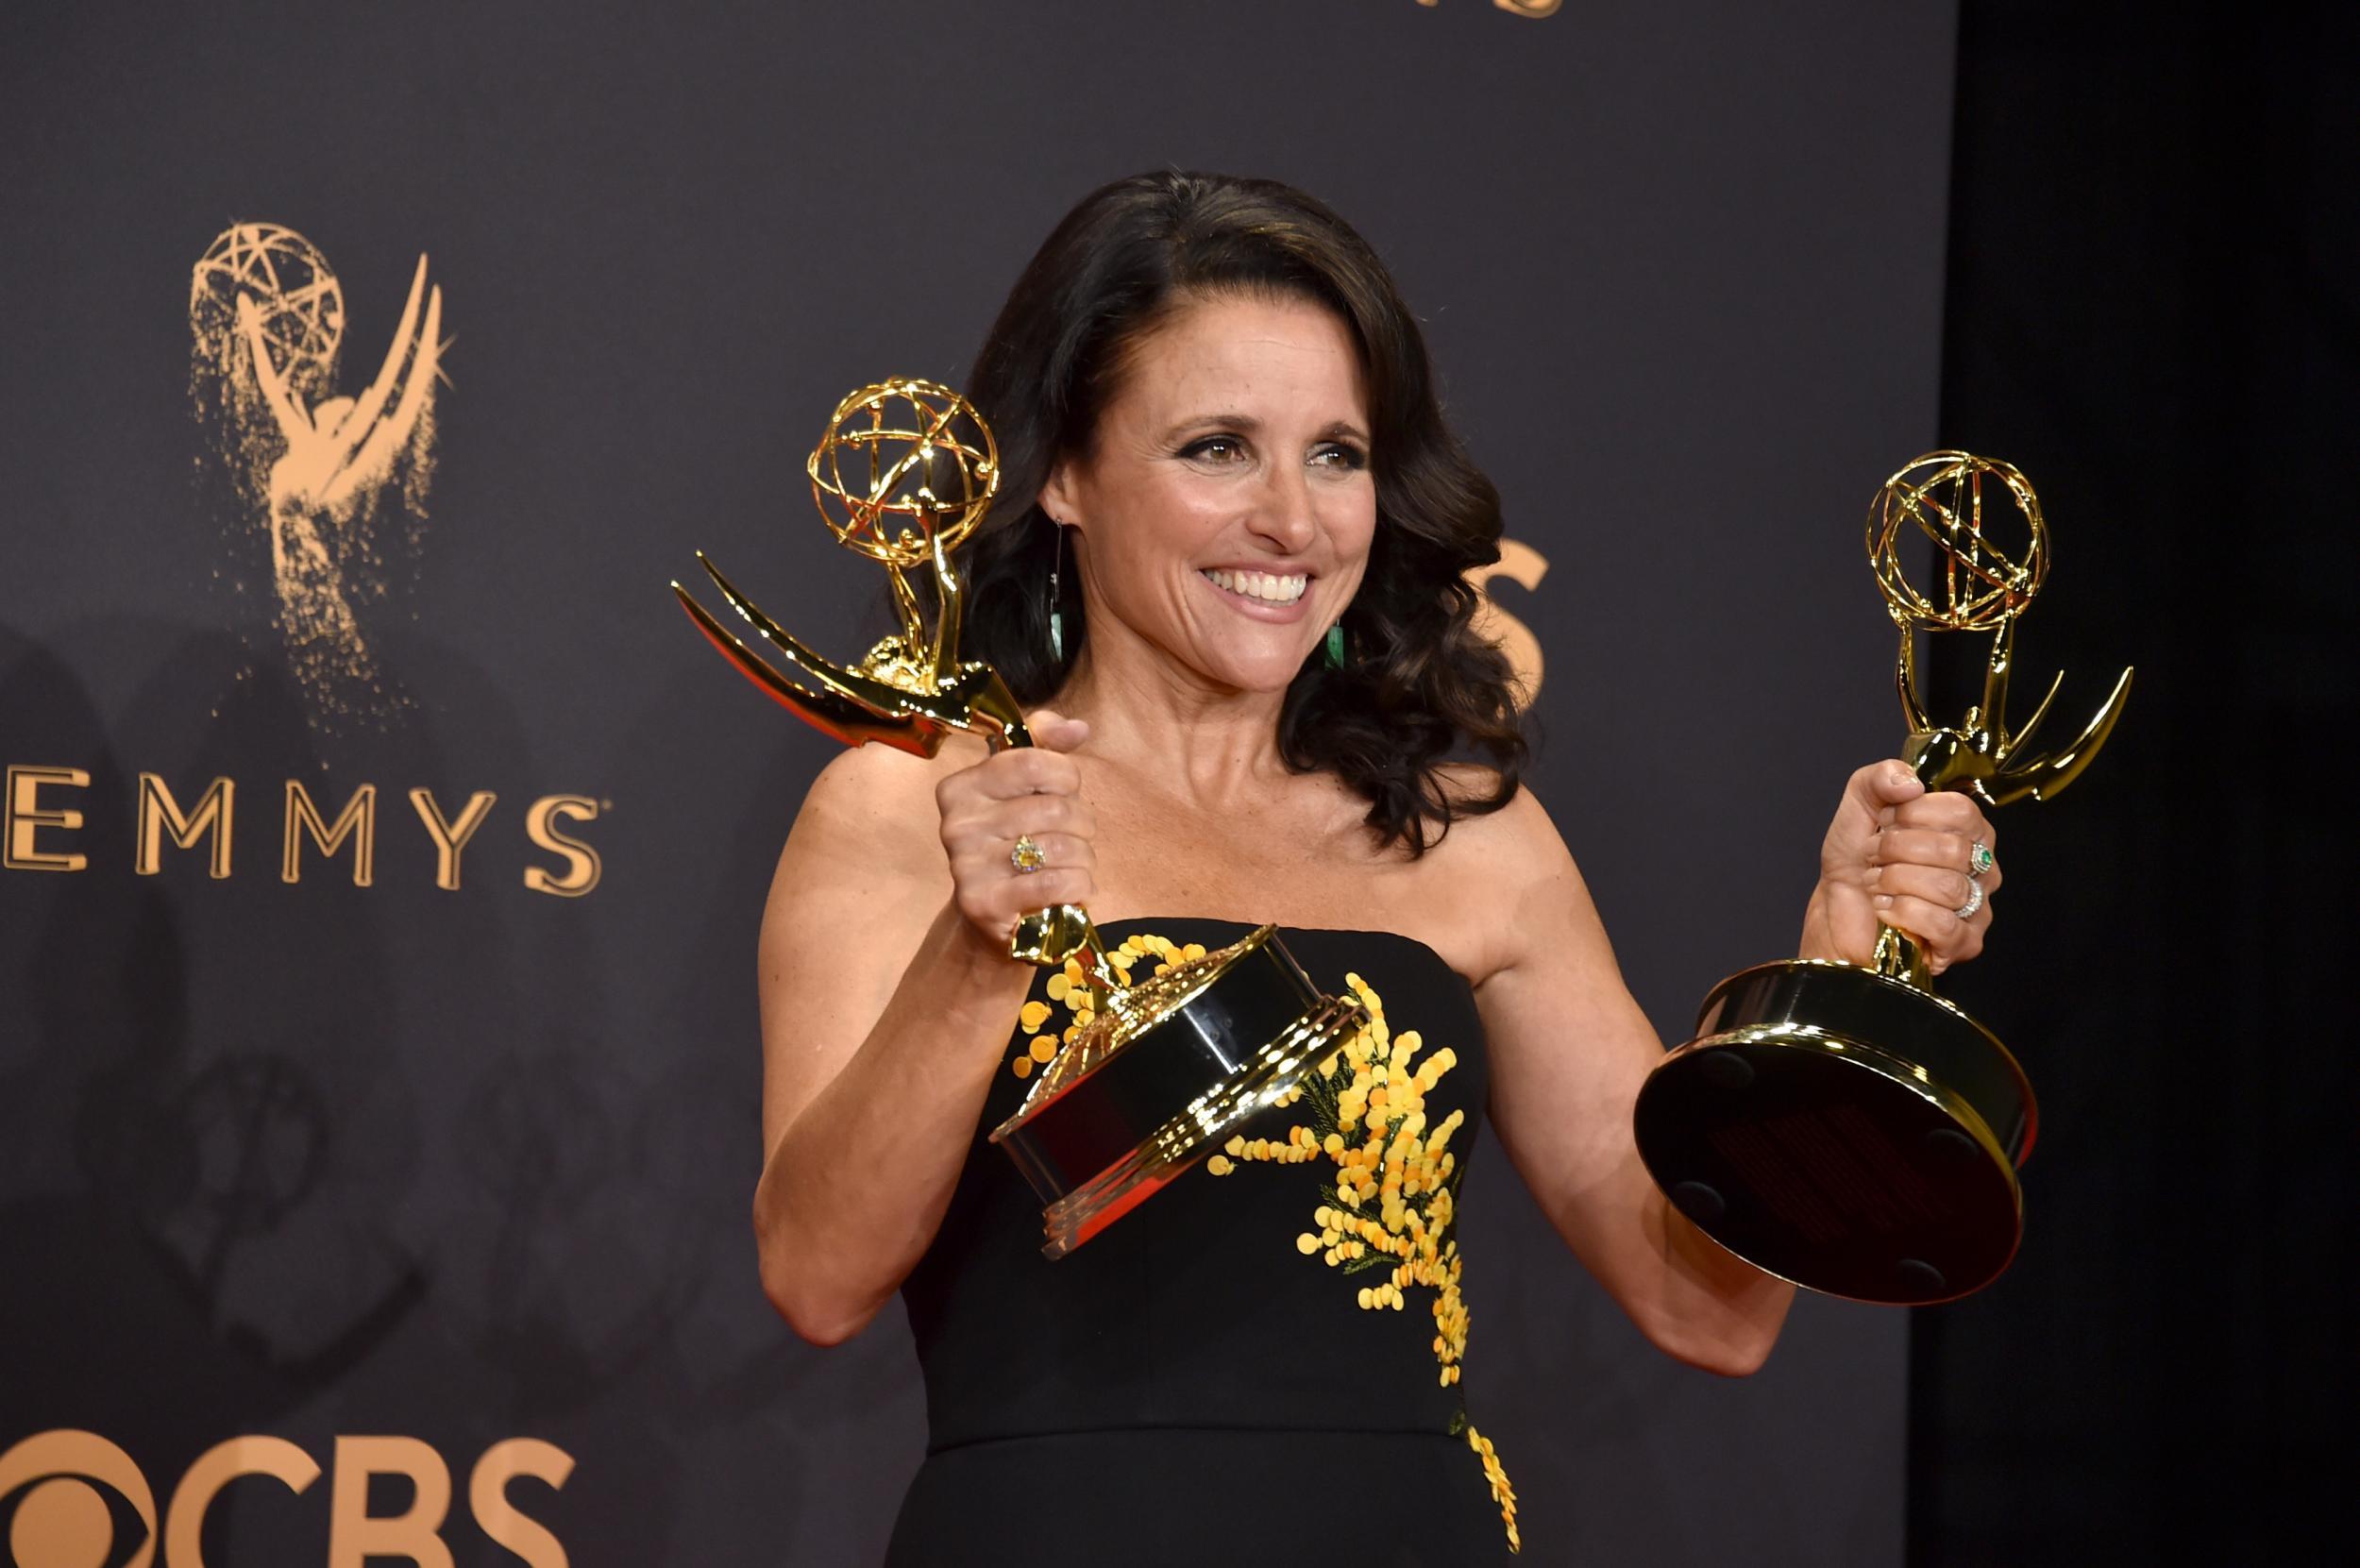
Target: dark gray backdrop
{"x": 316, "y": 1159}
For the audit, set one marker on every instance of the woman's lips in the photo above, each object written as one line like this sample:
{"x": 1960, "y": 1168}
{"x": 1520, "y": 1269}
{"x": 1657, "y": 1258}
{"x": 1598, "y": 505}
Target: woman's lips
{"x": 1276, "y": 597}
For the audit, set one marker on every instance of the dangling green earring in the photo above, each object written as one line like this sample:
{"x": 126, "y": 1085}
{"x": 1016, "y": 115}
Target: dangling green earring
{"x": 1056, "y": 608}
{"x": 1336, "y": 646}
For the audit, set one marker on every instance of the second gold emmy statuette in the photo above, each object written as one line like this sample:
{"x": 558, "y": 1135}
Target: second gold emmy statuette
{"x": 1841, "y": 1125}
{"x": 1159, "y": 1072}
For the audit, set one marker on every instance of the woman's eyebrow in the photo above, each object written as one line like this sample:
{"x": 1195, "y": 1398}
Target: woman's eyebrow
{"x": 1244, "y": 424}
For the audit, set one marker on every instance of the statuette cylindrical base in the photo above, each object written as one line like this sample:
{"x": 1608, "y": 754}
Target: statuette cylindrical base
{"x": 1186, "y": 1060}
{"x": 1794, "y": 1132}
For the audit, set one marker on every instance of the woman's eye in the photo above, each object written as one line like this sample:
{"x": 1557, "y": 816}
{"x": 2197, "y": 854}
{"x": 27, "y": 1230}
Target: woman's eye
{"x": 1214, "y": 448}
{"x": 1339, "y": 454}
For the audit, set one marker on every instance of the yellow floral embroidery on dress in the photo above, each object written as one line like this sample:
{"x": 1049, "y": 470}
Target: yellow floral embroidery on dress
{"x": 1392, "y": 1205}
{"x": 1394, "y": 1195}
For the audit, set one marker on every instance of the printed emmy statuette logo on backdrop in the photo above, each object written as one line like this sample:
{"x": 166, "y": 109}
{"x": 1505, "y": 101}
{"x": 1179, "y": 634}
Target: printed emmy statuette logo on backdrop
{"x": 315, "y": 473}
{"x": 61, "y": 1519}
{"x": 312, "y": 465}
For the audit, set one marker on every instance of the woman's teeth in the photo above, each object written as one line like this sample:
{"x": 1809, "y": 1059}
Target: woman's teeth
{"x": 1266, "y": 586}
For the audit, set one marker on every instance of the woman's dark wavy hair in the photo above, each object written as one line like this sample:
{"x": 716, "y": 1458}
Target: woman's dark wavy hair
{"x": 1421, "y": 685}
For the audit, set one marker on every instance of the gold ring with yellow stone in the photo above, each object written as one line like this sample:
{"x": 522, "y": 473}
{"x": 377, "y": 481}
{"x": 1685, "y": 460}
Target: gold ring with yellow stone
{"x": 1026, "y": 856}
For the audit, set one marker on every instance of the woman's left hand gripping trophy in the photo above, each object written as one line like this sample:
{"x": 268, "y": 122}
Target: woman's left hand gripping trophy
{"x": 932, "y": 470}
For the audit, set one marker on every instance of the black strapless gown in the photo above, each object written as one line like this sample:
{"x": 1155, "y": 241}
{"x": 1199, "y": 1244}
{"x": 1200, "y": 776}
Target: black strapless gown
{"x": 1258, "y": 1363}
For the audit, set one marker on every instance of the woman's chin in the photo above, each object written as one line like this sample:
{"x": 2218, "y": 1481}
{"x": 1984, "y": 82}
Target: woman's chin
{"x": 1272, "y": 673}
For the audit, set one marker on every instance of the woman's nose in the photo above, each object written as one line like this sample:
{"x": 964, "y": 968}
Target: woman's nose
{"x": 1285, "y": 516}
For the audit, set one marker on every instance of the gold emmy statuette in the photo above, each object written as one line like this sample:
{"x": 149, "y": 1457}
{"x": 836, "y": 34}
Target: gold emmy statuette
{"x": 1161, "y": 1070}
{"x": 1841, "y": 1126}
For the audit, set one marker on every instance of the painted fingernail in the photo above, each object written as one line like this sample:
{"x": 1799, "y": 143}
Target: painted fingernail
{"x": 1884, "y": 901}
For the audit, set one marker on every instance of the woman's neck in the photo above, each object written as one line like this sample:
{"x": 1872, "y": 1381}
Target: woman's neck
{"x": 1206, "y": 743}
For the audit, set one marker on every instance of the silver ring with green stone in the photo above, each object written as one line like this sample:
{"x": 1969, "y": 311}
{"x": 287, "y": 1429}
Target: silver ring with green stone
{"x": 1978, "y": 858}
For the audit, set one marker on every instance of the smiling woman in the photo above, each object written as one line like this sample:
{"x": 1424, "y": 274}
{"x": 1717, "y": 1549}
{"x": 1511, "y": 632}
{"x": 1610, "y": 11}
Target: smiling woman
{"x": 1224, "y": 509}
{"x": 1211, "y": 326}
{"x": 1229, "y": 548}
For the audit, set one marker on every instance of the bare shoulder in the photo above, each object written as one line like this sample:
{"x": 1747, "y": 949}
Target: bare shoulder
{"x": 861, "y": 875}
{"x": 1505, "y": 875}
{"x": 1517, "y": 841}
{"x": 862, "y": 866}
{"x": 875, "y": 806}
{"x": 1499, "y": 834}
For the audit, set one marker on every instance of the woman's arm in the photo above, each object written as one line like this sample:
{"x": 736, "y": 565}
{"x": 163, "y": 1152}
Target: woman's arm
{"x": 1569, "y": 1047}
{"x": 886, "y": 1000}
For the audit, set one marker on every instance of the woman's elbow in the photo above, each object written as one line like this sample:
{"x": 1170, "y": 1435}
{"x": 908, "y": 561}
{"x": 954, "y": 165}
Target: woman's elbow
{"x": 818, "y": 1317}
{"x": 1724, "y": 1358}
{"x": 1734, "y": 1345}
{"x": 825, "y": 1331}
{"x": 818, "y": 1313}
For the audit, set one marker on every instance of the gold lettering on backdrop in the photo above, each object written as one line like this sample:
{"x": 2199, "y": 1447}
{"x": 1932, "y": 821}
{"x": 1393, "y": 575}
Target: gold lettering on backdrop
{"x": 159, "y": 814}
{"x": 266, "y": 322}
{"x": 357, "y": 821}
{"x": 450, "y": 838}
{"x": 1524, "y": 566}
{"x": 184, "y": 1521}
{"x": 62, "y": 1517}
{"x": 33, "y": 810}
{"x": 19, "y": 850}
{"x": 414, "y": 1535}
{"x": 583, "y": 867}
{"x": 1516, "y": 8}
{"x": 487, "y": 1497}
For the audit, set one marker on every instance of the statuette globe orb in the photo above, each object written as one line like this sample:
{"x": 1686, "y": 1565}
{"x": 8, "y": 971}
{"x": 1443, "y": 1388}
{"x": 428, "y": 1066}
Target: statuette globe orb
{"x": 904, "y": 464}
{"x": 1988, "y": 560}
